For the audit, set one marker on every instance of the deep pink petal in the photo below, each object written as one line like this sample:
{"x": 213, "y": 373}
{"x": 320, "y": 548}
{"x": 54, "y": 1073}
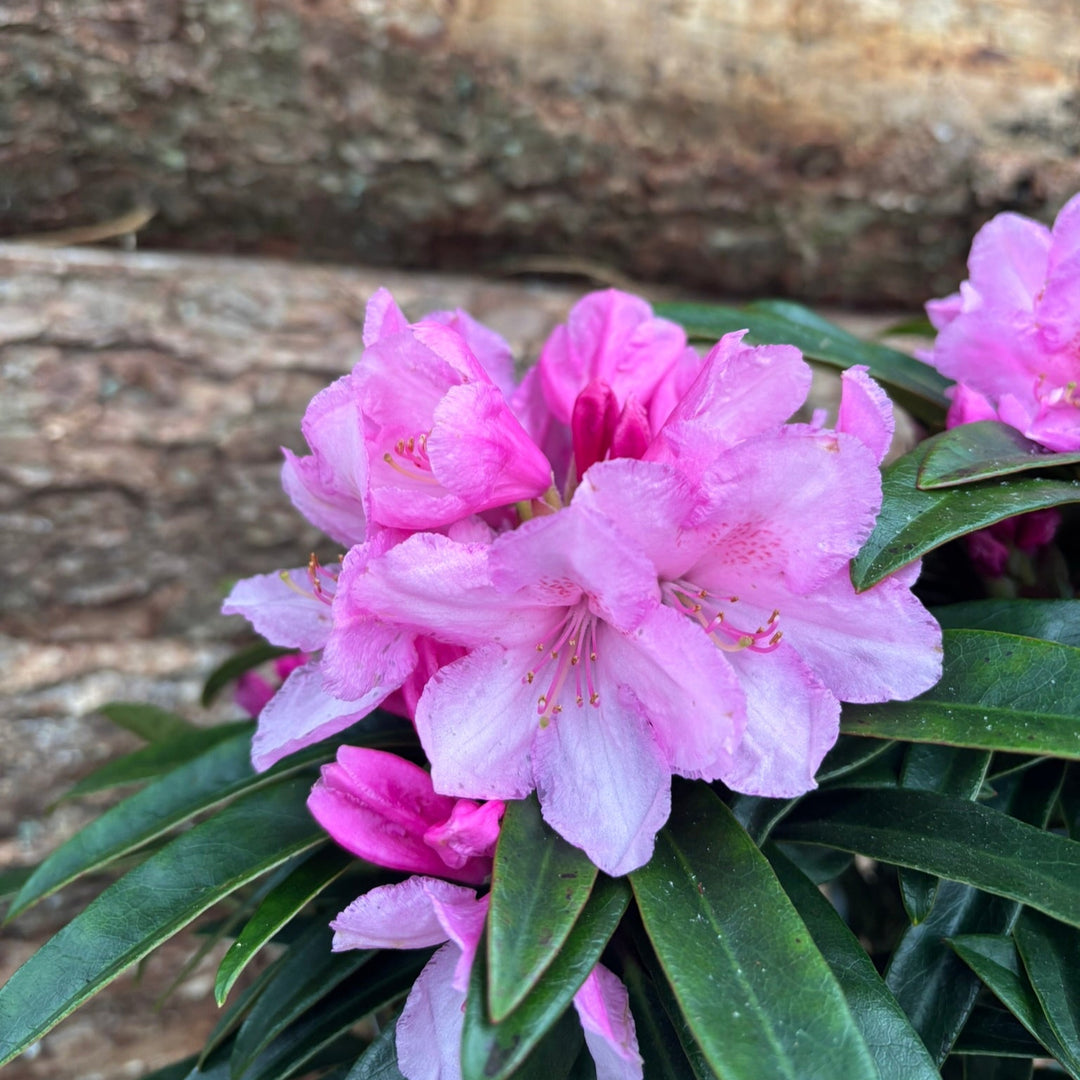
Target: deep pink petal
{"x": 592, "y": 424}
{"x": 866, "y": 411}
{"x": 428, "y": 1034}
{"x": 792, "y": 722}
{"x": 283, "y": 607}
{"x": 603, "y": 781}
{"x": 632, "y": 432}
{"x": 471, "y": 830}
{"x": 252, "y": 693}
{"x": 968, "y": 406}
{"x": 603, "y": 1007}
{"x": 383, "y": 317}
{"x": 302, "y": 713}
{"x": 683, "y": 685}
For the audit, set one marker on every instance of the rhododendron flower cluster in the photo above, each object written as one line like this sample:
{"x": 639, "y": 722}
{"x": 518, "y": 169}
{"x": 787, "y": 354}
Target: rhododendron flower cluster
{"x": 1011, "y": 336}
{"x": 628, "y": 566}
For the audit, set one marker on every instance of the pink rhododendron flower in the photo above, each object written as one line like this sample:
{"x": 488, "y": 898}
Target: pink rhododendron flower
{"x": 254, "y": 691}
{"x": 1011, "y": 336}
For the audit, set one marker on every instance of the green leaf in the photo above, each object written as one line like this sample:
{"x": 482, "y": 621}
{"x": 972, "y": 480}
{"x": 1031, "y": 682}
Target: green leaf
{"x": 221, "y": 772}
{"x": 948, "y": 771}
{"x": 913, "y": 522}
{"x": 539, "y": 886}
{"x": 896, "y": 1048}
{"x": 1050, "y": 953}
{"x": 150, "y": 904}
{"x": 307, "y": 973}
{"x": 147, "y": 721}
{"x": 997, "y": 1068}
{"x": 754, "y": 989}
{"x": 150, "y": 761}
{"x": 848, "y": 755}
{"x": 982, "y": 451}
{"x": 241, "y": 1005}
{"x": 994, "y": 960}
{"x": 997, "y": 692}
{"x": 379, "y": 1060}
{"x": 1051, "y": 620}
{"x": 932, "y": 985}
{"x": 758, "y": 814}
{"x": 495, "y": 1050}
{"x": 921, "y": 388}
{"x": 15, "y": 878}
{"x": 993, "y": 1030}
{"x": 236, "y": 665}
{"x": 280, "y": 906}
{"x": 948, "y": 837}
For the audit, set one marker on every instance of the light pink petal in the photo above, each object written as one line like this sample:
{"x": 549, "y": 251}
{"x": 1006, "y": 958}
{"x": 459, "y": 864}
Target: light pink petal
{"x": 285, "y": 612}
{"x": 942, "y": 312}
{"x": 866, "y": 411}
{"x": 428, "y": 1035}
{"x": 603, "y": 781}
{"x": 463, "y": 921}
{"x": 553, "y": 438}
{"x": 431, "y": 655}
{"x": 968, "y": 406}
{"x": 556, "y": 560}
{"x": 476, "y": 720}
{"x": 1056, "y": 427}
{"x": 671, "y": 388}
{"x": 302, "y": 713}
{"x": 471, "y": 830}
{"x": 484, "y": 343}
{"x": 764, "y": 526}
{"x": 1057, "y": 309}
{"x": 683, "y": 685}
{"x": 383, "y": 317}
{"x": 603, "y": 1006}
{"x": 792, "y": 722}
{"x": 1008, "y": 261}
{"x": 481, "y": 453}
{"x": 379, "y": 807}
{"x": 400, "y": 916}
{"x": 739, "y": 393}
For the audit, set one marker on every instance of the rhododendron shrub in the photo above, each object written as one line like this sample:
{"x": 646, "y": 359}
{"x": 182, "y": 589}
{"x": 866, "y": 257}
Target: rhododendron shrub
{"x": 611, "y": 663}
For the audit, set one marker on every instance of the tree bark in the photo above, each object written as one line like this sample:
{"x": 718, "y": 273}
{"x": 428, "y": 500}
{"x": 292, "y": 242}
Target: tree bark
{"x": 836, "y": 150}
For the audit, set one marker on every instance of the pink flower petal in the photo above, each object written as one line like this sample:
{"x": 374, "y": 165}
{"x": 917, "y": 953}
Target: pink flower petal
{"x": 866, "y": 411}
{"x": 484, "y": 343}
{"x": 603, "y": 1006}
{"x": 284, "y": 608}
{"x": 428, "y": 1035}
{"x": 968, "y": 406}
{"x": 471, "y": 830}
{"x": 383, "y": 317}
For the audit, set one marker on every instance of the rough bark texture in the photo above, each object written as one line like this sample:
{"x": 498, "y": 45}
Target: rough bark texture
{"x": 840, "y": 150}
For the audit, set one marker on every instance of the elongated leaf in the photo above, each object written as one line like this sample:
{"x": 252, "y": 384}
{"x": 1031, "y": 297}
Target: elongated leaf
{"x": 150, "y": 904}
{"x": 308, "y": 972}
{"x": 933, "y": 986}
{"x": 282, "y": 904}
{"x": 495, "y": 1050}
{"x": 236, "y": 665}
{"x": 155, "y": 759}
{"x": 1052, "y": 620}
{"x": 233, "y": 1016}
{"x": 1050, "y": 953}
{"x": 948, "y": 771}
{"x": 978, "y": 1067}
{"x": 993, "y": 1030}
{"x": 998, "y": 692}
{"x": 913, "y": 522}
{"x": 982, "y": 451}
{"x": 379, "y": 1060}
{"x": 921, "y": 388}
{"x": 951, "y": 838}
{"x": 753, "y": 987}
{"x": 149, "y": 722}
{"x": 758, "y": 814}
{"x": 896, "y": 1048}
{"x": 539, "y": 886}
{"x": 848, "y": 756}
{"x": 995, "y": 961}
{"x": 220, "y": 772}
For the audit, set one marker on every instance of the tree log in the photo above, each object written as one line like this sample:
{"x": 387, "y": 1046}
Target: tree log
{"x": 836, "y": 150}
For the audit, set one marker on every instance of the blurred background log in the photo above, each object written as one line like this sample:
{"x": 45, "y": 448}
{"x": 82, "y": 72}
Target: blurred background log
{"x": 836, "y": 150}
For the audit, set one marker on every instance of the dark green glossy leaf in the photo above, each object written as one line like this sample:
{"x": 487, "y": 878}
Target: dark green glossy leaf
{"x": 921, "y": 388}
{"x": 236, "y": 665}
{"x": 149, "y": 904}
{"x": 492, "y": 1051}
{"x": 753, "y": 987}
{"x": 896, "y": 1048}
{"x": 819, "y": 864}
{"x": 882, "y": 770}
{"x": 241, "y": 1005}
{"x": 308, "y": 972}
{"x": 948, "y": 771}
{"x": 155, "y": 759}
{"x": 539, "y": 886}
{"x": 997, "y": 692}
{"x": 994, "y": 959}
{"x": 1052, "y": 620}
{"x": 1051, "y": 956}
{"x": 280, "y": 906}
{"x": 149, "y": 722}
{"x": 948, "y": 837}
{"x": 379, "y": 1060}
{"x": 758, "y": 814}
{"x": 982, "y": 451}
{"x": 178, "y": 1070}
{"x": 913, "y": 522}
{"x": 997, "y": 1068}
{"x": 933, "y": 986}
{"x": 13, "y": 879}
{"x": 848, "y": 755}
{"x": 221, "y": 772}
{"x": 993, "y": 1030}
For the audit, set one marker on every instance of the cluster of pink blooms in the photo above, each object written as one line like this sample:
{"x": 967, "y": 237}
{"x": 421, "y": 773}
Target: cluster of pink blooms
{"x": 627, "y": 566}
